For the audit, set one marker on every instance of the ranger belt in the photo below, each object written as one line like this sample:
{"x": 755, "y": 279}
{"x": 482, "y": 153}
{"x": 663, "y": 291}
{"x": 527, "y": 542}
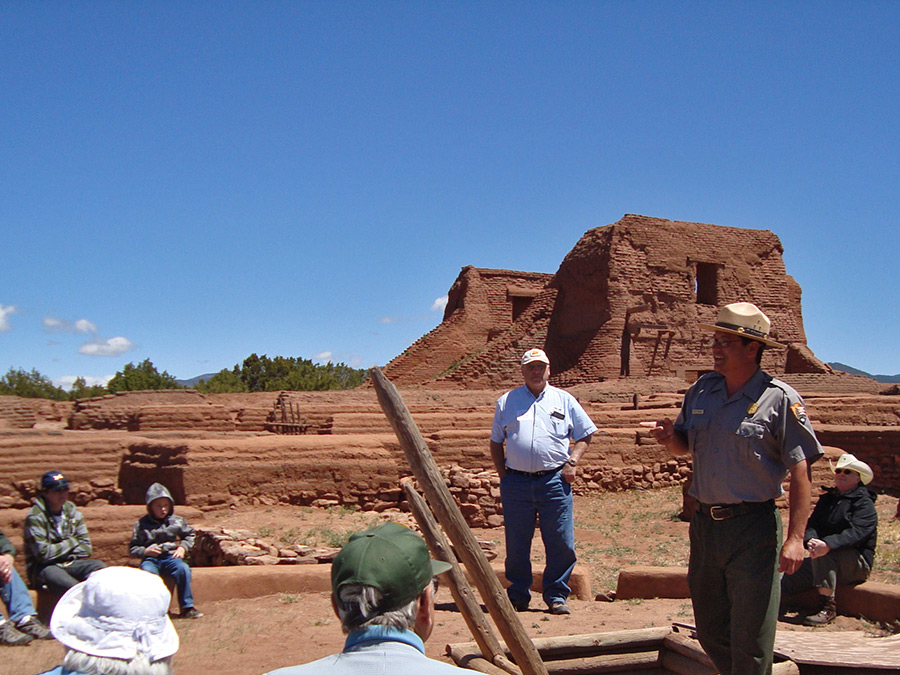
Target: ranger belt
{"x": 728, "y": 511}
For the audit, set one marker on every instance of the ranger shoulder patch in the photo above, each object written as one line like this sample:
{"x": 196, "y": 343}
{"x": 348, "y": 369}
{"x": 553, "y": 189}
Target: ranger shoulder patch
{"x": 799, "y": 411}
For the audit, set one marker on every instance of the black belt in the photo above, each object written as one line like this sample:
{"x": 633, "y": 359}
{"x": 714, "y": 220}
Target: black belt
{"x": 728, "y": 511}
{"x": 535, "y": 474}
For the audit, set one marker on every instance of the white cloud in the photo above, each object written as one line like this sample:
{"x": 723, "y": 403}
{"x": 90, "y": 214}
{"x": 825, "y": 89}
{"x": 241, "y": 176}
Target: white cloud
{"x": 54, "y": 325}
{"x": 6, "y": 311}
{"x": 322, "y": 356}
{"x": 440, "y": 304}
{"x": 85, "y": 326}
{"x": 66, "y": 381}
{"x": 387, "y": 319}
{"x": 111, "y": 347}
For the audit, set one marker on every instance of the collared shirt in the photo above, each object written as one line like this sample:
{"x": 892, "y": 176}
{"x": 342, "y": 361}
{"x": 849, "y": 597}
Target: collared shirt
{"x": 537, "y": 430}
{"x": 743, "y": 445}
{"x": 377, "y": 650}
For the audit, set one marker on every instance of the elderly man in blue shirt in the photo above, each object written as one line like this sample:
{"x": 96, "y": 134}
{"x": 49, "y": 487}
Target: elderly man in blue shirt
{"x": 531, "y": 451}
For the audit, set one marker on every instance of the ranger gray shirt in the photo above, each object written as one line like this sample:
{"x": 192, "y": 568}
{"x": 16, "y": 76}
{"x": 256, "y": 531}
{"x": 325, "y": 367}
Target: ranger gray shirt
{"x": 742, "y": 446}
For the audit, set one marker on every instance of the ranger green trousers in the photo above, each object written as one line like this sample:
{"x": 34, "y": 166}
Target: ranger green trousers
{"x": 735, "y": 588}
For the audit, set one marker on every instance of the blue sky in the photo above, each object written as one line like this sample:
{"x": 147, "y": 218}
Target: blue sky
{"x": 195, "y": 182}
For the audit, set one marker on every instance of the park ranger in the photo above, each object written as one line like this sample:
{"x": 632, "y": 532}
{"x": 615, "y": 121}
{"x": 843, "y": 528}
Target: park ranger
{"x": 746, "y": 431}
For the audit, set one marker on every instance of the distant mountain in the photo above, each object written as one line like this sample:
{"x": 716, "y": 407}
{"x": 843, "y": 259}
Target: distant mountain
{"x": 855, "y": 371}
{"x": 194, "y": 380}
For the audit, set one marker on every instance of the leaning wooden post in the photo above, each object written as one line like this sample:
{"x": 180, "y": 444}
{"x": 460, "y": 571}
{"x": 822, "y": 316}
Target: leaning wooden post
{"x": 449, "y": 516}
{"x": 462, "y": 592}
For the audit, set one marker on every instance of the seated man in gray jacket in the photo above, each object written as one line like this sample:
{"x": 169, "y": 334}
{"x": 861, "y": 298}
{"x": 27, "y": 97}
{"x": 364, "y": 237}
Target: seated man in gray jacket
{"x": 57, "y": 544}
{"x": 23, "y": 625}
{"x": 383, "y": 592}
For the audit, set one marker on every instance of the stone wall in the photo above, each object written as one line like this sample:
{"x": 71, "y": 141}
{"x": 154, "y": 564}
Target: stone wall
{"x": 26, "y": 413}
{"x": 171, "y": 409}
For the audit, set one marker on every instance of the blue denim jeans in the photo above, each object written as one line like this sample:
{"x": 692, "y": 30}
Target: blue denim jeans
{"x": 15, "y": 597}
{"x": 547, "y": 501}
{"x": 176, "y": 568}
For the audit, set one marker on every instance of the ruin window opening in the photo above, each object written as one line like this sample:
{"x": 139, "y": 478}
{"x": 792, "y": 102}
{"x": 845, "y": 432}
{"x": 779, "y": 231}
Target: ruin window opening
{"x": 519, "y": 305}
{"x": 706, "y": 283}
{"x": 520, "y": 299}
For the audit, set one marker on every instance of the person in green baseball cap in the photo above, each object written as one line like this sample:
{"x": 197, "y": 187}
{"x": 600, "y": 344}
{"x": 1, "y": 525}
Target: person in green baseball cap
{"x": 382, "y": 590}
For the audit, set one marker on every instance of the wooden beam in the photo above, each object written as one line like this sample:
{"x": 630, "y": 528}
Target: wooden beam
{"x": 462, "y": 592}
{"x": 428, "y": 475}
{"x": 590, "y": 644}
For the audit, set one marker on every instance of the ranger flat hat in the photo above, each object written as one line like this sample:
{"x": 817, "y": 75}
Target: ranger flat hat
{"x": 744, "y": 319}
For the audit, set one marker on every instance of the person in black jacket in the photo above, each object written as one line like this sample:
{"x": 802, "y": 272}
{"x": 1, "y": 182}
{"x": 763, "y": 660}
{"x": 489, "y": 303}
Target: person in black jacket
{"x": 840, "y": 537}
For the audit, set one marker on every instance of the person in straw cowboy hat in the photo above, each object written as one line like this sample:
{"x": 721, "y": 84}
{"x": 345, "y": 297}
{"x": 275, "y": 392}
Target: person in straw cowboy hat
{"x": 115, "y": 623}
{"x": 746, "y": 432}
{"x": 840, "y": 537}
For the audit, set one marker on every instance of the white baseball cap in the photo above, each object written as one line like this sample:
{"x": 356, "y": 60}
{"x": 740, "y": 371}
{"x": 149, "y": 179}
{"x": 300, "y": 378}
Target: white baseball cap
{"x": 534, "y": 355}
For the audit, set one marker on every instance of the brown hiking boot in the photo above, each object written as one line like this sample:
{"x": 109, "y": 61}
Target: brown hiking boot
{"x": 825, "y": 616}
{"x": 11, "y": 636}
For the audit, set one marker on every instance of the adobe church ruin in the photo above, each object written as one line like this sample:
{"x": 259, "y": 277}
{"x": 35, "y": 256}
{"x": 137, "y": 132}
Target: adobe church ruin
{"x": 625, "y": 301}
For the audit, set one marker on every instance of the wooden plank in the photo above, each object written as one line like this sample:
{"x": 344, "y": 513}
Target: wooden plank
{"x": 605, "y": 663}
{"x": 443, "y": 505}
{"x": 684, "y": 665}
{"x": 475, "y": 662}
{"x": 584, "y": 644}
{"x": 462, "y": 592}
{"x": 844, "y": 649}
{"x": 687, "y": 647}
{"x": 639, "y": 639}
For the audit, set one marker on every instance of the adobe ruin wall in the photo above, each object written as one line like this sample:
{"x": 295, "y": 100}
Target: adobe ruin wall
{"x": 625, "y": 301}
{"x": 359, "y": 463}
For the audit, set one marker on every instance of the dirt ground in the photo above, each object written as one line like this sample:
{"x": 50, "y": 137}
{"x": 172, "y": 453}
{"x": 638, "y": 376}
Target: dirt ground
{"x": 612, "y": 530}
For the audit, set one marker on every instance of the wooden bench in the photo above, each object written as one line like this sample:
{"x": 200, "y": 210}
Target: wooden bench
{"x": 870, "y": 600}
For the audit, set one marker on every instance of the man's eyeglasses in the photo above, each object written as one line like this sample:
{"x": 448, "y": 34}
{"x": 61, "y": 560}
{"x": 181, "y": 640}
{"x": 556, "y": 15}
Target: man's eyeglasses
{"x": 844, "y": 471}
{"x": 724, "y": 343}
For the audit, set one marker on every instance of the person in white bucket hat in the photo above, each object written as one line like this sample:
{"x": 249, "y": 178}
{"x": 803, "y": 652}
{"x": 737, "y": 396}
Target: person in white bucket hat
{"x": 115, "y": 623}
{"x": 746, "y": 432}
{"x": 840, "y": 537}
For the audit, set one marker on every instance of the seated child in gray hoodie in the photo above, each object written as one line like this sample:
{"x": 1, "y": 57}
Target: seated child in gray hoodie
{"x": 162, "y": 540}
